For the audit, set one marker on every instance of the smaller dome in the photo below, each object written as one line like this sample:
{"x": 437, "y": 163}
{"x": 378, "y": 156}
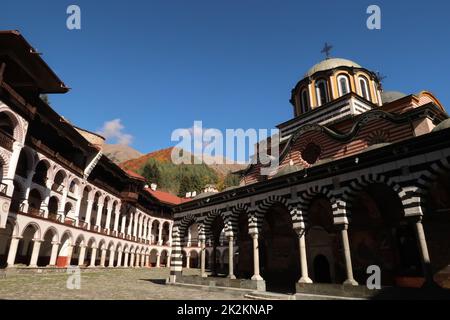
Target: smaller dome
{"x": 389, "y": 96}
{"x": 331, "y": 64}
{"x": 442, "y": 126}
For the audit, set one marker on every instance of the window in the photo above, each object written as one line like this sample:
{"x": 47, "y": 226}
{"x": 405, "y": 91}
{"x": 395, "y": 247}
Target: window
{"x": 305, "y": 101}
{"x": 364, "y": 85}
{"x": 322, "y": 92}
{"x": 311, "y": 153}
{"x": 343, "y": 85}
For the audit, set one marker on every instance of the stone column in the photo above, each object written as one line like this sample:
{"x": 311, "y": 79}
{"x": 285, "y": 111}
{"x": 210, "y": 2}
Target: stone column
{"x": 90, "y": 203}
{"x": 347, "y": 256}
{"x": 125, "y": 262}
{"x": 25, "y": 202}
{"x": 136, "y": 223}
{"x": 170, "y": 233}
{"x": 303, "y": 258}
{"x": 130, "y": 225}
{"x": 138, "y": 260}
{"x": 203, "y": 259}
{"x": 188, "y": 258}
{"x": 119, "y": 259}
{"x": 231, "y": 258}
{"x": 112, "y": 254}
{"x": 35, "y": 254}
{"x": 158, "y": 260}
{"x": 160, "y": 241}
{"x": 93, "y": 257}
{"x": 12, "y": 251}
{"x": 132, "y": 260}
{"x": 124, "y": 222}
{"x": 147, "y": 261}
{"x": 98, "y": 218}
{"x": 69, "y": 254}
{"x": 108, "y": 217}
{"x": 144, "y": 232}
{"x": 256, "y": 275}
{"x": 139, "y": 232}
{"x": 81, "y": 255}
{"x": 150, "y": 224}
{"x": 103, "y": 258}
{"x": 54, "y": 254}
{"x": 116, "y": 220}
{"x": 169, "y": 258}
{"x": 423, "y": 249}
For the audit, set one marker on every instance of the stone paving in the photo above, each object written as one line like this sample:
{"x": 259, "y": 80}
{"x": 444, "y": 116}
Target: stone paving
{"x": 124, "y": 284}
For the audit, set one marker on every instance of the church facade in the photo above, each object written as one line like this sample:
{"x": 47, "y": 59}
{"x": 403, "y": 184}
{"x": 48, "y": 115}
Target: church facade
{"x": 62, "y": 201}
{"x": 363, "y": 180}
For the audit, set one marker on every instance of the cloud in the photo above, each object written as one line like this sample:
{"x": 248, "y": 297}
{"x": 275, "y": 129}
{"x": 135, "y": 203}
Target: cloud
{"x": 113, "y": 132}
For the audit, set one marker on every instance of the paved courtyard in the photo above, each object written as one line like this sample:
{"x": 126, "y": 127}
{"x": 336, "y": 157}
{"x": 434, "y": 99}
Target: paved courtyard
{"x": 125, "y": 284}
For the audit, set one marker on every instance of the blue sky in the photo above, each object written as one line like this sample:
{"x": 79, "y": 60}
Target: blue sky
{"x": 161, "y": 65}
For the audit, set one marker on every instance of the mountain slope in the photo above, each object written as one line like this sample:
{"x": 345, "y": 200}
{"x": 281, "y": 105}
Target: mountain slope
{"x": 119, "y": 153}
{"x": 164, "y": 155}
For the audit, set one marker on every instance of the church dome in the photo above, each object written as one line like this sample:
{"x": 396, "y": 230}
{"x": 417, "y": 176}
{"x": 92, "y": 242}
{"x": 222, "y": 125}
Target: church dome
{"x": 331, "y": 63}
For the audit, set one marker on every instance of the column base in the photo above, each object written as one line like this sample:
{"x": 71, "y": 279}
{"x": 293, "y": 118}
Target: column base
{"x": 32, "y": 266}
{"x": 257, "y": 278}
{"x": 305, "y": 280}
{"x": 232, "y": 276}
{"x": 204, "y": 275}
{"x": 350, "y": 282}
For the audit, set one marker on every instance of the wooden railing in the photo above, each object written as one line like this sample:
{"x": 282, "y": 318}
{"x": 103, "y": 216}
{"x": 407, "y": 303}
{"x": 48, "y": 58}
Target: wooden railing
{"x": 3, "y": 189}
{"x": 6, "y": 141}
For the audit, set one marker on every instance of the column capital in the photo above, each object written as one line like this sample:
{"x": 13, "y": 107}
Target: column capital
{"x": 56, "y": 243}
{"x": 300, "y": 231}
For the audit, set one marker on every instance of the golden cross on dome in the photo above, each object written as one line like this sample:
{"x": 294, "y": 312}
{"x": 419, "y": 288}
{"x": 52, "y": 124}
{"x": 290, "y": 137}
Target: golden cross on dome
{"x": 327, "y": 49}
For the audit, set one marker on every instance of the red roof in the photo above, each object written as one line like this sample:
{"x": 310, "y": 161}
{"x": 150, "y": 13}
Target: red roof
{"x": 134, "y": 175}
{"x": 166, "y": 197}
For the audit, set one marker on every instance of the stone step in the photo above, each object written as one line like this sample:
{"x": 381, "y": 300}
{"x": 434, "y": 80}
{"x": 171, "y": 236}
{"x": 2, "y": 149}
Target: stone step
{"x": 269, "y": 296}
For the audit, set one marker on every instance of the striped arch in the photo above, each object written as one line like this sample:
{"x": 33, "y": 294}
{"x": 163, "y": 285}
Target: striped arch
{"x": 338, "y": 206}
{"x": 356, "y": 186}
{"x": 208, "y": 221}
{"x": 4, "y": 162}
{"x": 425, "y": 182}
{"x": 266, "y": 204}
{"x": 233, "y": 218}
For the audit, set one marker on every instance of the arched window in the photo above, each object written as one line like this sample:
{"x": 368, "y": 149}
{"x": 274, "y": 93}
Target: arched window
{"x": 322, "y": 92}
{"x": 364, "y": 86}
{"x": 343, "y": 84}
{"x": 305, "y": 100}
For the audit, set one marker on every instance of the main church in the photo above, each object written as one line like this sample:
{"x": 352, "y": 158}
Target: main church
{"x": 362, "y": 185}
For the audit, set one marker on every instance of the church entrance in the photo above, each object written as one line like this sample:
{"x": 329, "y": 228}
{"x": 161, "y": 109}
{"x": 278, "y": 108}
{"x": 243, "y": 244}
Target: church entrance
{"x": 279, "y": 255}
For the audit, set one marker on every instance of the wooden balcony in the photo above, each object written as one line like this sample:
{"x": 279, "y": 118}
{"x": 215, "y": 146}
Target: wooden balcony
{"x": 128, "y": 196}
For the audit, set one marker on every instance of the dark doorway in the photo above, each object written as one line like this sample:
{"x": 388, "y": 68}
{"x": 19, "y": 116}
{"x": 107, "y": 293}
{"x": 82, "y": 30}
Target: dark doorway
{"x": 279, "y": 251}
{"x": 321, "y": 269}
